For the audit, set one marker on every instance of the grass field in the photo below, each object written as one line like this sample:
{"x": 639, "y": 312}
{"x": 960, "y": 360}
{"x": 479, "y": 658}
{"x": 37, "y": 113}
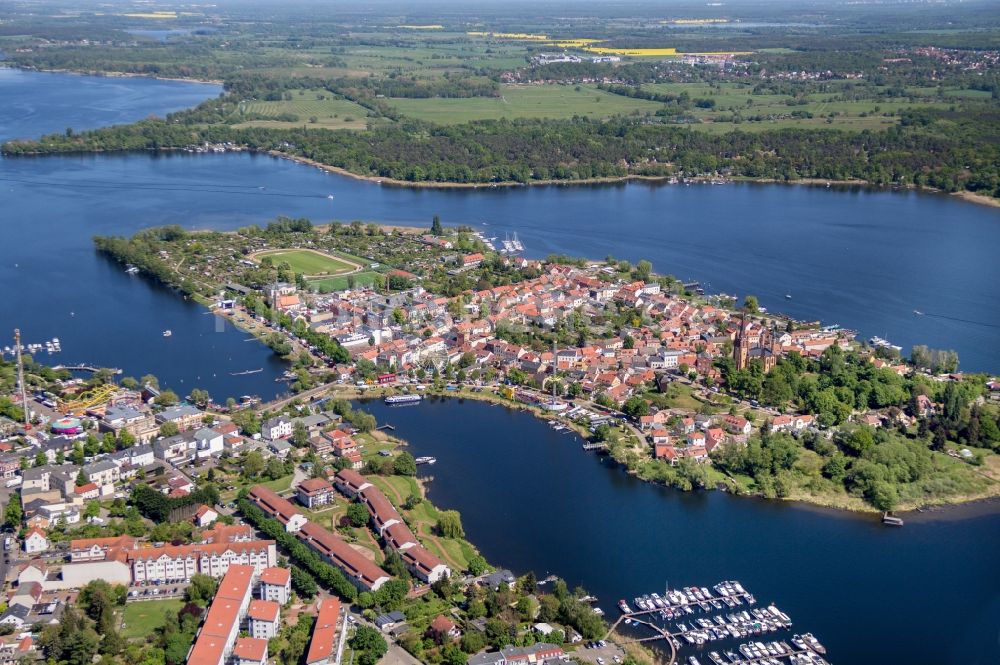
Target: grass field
{"x": 142, "y": 618}
{"x": 308, "y": 262}
{"x": 521, "y": 101}
{"x": 319, "y": 105}
{"x": 775, "y": 110}
{"x": 341, "y": 283}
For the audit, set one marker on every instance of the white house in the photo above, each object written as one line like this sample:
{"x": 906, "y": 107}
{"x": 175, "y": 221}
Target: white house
{"x": 205, "y": 516}
{"x": 208, "y": 442}
{"x": 276, "y": 428}
{"x": 276, "y": 585}
{"x": 35, "y": 541}
{"x": 263, "y": 619}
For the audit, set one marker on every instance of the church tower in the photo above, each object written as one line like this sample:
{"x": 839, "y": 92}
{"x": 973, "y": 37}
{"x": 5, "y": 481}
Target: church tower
{"x": 741, "y": 348}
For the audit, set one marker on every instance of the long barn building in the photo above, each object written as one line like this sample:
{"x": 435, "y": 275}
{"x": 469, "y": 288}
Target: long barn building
{"x": 363, "y": 573}
{"x": 390, "y": 527}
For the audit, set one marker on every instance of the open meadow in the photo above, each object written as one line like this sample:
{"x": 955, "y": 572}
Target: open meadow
{"x": 525, "y": 101}
{"x": 308, "y": 262}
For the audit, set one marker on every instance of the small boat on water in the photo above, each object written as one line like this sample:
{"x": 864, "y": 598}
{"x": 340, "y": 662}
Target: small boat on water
{"x": 402, "y": 399}
{"x": 167, "y": 333}
{"x": 918, "y": 312}
{"x": 426, "y": 460}
{"x": 813, "y": 643}
{"x": 623, "y": 606}
{"x": 247, "y": 371}
{"x": 891, "y": 520}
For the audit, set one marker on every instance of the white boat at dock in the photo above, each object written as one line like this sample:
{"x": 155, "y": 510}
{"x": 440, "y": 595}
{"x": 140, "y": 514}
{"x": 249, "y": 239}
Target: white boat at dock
{"x": 426, "y": 460}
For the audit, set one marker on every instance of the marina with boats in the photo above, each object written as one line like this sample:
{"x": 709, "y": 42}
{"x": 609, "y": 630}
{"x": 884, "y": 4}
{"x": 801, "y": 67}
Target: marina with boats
{"x": 50, "y": 346}
{"x": 692, "y": 617}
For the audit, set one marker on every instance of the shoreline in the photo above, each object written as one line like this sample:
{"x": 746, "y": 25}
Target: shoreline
{"x": 967, "y": 196}
{"x": 102, "y": 74}
{"x": 937, "y": 508}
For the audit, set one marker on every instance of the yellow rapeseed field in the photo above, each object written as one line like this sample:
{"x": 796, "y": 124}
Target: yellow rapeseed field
{"x": 632, "y": 52}
{"x": 152, "y": 15}
{"x": 511, "y": 35}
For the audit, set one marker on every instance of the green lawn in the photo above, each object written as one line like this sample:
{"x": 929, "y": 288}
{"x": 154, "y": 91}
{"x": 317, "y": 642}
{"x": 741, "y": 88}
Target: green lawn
{"x": 329, "y": 284}
{"x": 525, "y": 101}
{"x": 142, "y": 618}
{"x": 308, "y": 262}
{"x": 281, "y": 484}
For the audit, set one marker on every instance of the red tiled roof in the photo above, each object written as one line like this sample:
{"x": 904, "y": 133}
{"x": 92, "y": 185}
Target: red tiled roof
{"x": 314, "y": 485}
{"x": 227, "y": 533}
{"x": 442, "y": 624}
{"x": 223, "y": 615}
{"x": 250, "y": 648}
{"x": 264, "y": 610}
{"x": 275, "y": 576}
{"x": 343, "y": 555}
{"x": 198, "y": 550}
{"x": 281, "y": 508}
{"x": 325, "y": 631}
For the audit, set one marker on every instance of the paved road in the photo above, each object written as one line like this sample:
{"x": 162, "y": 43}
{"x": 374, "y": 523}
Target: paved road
{"x": 397, "y": 655}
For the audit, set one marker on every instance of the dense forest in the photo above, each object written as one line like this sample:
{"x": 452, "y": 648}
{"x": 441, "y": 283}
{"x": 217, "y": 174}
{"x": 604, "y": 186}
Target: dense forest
{"x": 932, "y": 148}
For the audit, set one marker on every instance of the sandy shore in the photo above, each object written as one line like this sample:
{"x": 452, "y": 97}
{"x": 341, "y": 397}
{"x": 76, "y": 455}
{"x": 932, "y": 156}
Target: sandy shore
{"x": 118, "y": 75}
{"x": 981, "y": 199}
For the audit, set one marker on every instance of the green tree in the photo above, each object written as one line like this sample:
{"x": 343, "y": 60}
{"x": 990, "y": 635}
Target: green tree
{"x": 201, "y": 590}
{"x": 449, "y": 524}
{"x": 436, "y": 228}
{"x": 357, "y": 514}
{"x": 13, "y": 512}
{"x": 369, "y": 644}
{"x": 167, "y": 398}
{"x": 635, "y": 407}
{"x": 751, "y": 305}
{"x": 477, "y": 565}
{"x": 200, "y": 397}
{"x": 300, "y": 434}
{"x": 253, "y": 464}
{"x": 404, "y": 465}
{"x": 169, "y": 428}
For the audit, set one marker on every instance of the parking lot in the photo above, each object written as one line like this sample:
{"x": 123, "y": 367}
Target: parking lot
{"x": 609, "y": 654}
{"x": 157, "y": 591}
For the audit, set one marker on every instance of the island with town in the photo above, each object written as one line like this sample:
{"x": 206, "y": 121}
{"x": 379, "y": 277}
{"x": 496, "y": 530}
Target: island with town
{"x": 158, "y": 528}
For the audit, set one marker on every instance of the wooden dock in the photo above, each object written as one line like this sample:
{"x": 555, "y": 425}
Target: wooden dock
{"x": 386, "y": 426}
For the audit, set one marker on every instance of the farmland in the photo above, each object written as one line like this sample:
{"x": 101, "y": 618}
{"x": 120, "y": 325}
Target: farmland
{"x": 308, "y": 262}
{"x": 525, "y": 101}
{"x": 313, "y": 108}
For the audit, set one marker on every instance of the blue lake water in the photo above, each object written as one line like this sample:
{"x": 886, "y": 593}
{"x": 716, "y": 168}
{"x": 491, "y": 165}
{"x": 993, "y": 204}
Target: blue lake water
{"x": 532, "y": 499}
{"x": 36, "y": 103}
